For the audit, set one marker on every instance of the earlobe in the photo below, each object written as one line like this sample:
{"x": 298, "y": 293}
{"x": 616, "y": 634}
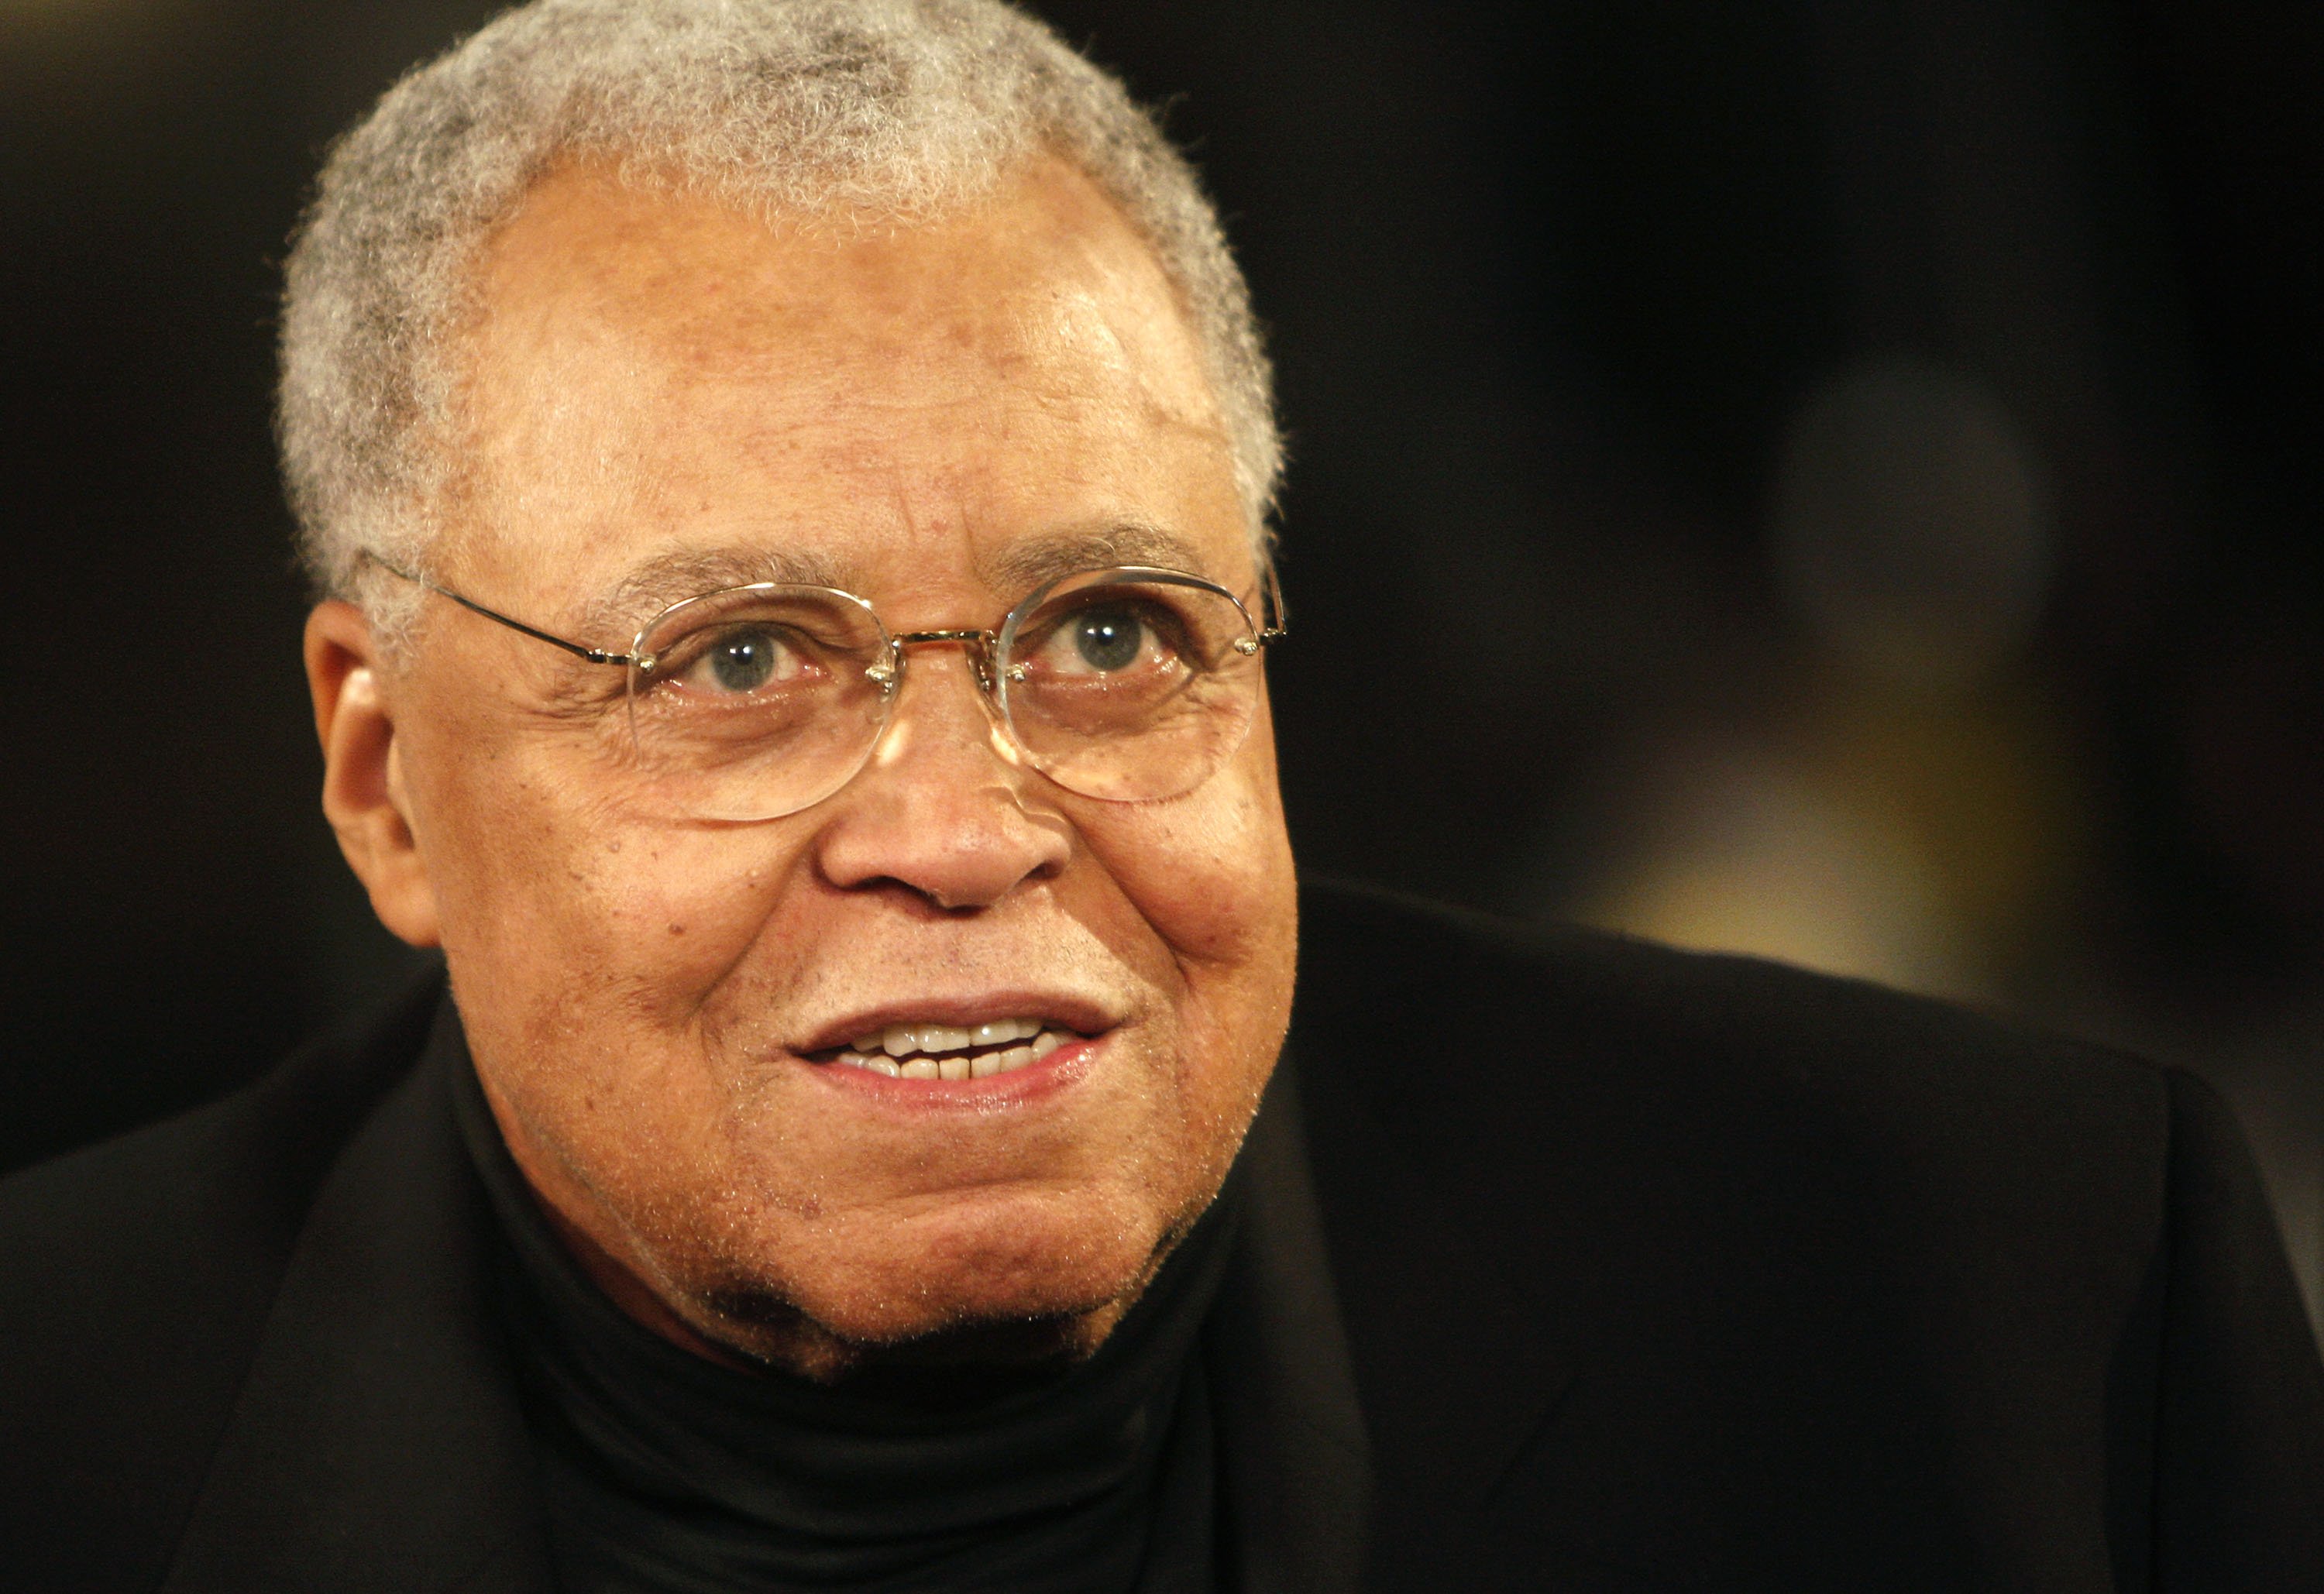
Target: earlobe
{"x": 364, "y": 793}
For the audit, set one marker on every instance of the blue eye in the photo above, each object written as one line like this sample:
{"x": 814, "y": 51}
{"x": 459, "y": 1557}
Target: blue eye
{"x": 1109, "y": 638}
{"x": 743, "y": 661}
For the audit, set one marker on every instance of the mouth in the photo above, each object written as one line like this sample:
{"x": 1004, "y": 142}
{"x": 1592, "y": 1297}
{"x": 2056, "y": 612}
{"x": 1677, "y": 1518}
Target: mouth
{"x": 949, "y": 1051}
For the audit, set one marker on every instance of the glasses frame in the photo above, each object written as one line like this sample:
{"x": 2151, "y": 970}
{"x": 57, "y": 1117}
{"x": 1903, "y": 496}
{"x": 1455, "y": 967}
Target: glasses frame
{"x": 985, "y": 647}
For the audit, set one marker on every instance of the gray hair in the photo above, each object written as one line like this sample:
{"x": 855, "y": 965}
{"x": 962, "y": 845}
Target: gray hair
{"x": 900, "y": 108}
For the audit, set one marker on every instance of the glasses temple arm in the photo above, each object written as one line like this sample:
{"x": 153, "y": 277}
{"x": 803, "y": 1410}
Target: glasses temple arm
{"x": 1277, "y": 622}
{"x": 579, "y": 650}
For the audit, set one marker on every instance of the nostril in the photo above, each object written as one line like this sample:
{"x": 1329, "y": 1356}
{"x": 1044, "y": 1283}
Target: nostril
{"x": 957, "y": 836}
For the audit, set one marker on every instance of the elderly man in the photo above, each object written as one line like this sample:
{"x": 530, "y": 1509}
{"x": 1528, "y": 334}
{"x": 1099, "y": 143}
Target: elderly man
{"x": 788, "y": 483}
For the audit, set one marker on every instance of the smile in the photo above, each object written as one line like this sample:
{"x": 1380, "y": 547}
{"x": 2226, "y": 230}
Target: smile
{"x": 950, "y": 1051}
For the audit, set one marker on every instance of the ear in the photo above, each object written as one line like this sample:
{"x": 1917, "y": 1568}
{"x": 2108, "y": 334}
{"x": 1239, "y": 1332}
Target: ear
{"x": 364, "y": 795}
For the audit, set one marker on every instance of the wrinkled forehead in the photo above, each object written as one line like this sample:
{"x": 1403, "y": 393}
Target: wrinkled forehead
{"x": 654, "y": 376}
{"x": 723, "y": 281}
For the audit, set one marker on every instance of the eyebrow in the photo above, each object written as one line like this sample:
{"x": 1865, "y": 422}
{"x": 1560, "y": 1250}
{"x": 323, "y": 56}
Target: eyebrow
{"x": 1037, "y": 561}
{"x": 688, "y": 573}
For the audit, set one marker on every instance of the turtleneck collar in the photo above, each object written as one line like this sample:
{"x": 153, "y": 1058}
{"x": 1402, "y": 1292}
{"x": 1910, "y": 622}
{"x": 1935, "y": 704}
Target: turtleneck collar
{"x": 662, "y": 1470}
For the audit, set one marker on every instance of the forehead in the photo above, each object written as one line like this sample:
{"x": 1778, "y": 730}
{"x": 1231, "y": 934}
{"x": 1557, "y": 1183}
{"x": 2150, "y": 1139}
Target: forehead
{"x": 661, "y": 380}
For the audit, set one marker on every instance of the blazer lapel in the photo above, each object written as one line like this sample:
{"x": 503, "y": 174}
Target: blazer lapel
{"x": 1457, "y": 1364}
{"x": 1463, "y": 1333}
{"x": 377, "y": 1444}
{"x": 1295, "y": 1464}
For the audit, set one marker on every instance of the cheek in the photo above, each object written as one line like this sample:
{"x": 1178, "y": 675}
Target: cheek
{"x": 1211, "y": 871}
{"x": 553, "y": 903}
{"x": 1211, "y": 875}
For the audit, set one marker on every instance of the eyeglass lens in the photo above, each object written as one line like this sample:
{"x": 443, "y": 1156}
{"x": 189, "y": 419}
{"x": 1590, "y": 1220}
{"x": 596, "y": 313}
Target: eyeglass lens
{"x": 1126, "y": 685}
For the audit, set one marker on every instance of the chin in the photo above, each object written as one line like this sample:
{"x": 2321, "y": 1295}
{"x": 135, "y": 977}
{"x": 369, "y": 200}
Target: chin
{"x": 1054, "y": 1258}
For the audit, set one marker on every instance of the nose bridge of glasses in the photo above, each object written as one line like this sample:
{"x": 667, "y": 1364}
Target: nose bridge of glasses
{"x": 980, "y": 646}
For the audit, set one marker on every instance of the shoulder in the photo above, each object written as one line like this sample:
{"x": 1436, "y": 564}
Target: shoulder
{"x": 1826, "y": 1276}
{"x": 1526, "y": 1014}
{"x": 136, "y": 1275}
{"x": 1640, "y": 1112}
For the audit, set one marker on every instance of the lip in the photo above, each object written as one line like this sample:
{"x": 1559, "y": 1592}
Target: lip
{"x": 1060, "y": 1070}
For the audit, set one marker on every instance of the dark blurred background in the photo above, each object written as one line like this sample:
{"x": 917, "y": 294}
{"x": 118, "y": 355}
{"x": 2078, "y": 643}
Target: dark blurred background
{"x": 1836, "y": 478}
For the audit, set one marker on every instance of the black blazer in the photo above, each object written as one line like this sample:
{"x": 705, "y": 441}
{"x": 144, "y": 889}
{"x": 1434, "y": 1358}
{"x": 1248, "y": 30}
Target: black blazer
{"x": 1658, "y": 1272}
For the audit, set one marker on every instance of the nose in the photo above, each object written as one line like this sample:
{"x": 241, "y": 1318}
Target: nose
{"x": 945, "y": 810}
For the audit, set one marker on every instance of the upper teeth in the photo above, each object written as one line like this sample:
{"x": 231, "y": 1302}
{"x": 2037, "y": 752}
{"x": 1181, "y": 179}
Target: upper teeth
{"x": 924, "y": 1043}
{"x": 901, "y": 1040}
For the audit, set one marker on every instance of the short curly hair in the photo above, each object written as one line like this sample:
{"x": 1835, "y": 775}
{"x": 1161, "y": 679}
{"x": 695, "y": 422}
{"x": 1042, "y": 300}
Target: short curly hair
{"x": 900, "y": 108}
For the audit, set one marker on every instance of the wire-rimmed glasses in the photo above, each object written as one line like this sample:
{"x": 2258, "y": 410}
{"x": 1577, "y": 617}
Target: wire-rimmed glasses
{"x": 1131, "y": 683}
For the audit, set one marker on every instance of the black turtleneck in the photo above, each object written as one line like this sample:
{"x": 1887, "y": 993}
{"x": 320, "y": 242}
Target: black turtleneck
{"x": 664, "y": 1471}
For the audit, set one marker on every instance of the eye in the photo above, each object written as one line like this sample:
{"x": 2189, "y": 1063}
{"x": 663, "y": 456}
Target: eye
{"x": 740, "y": 660}
{"x": 1107, "y": 639}
{"x": 1101, "y": 643}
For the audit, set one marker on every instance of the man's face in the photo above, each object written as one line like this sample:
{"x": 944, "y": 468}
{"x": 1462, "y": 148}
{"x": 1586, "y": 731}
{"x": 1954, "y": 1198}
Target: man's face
{"x": 668, "y": 395}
